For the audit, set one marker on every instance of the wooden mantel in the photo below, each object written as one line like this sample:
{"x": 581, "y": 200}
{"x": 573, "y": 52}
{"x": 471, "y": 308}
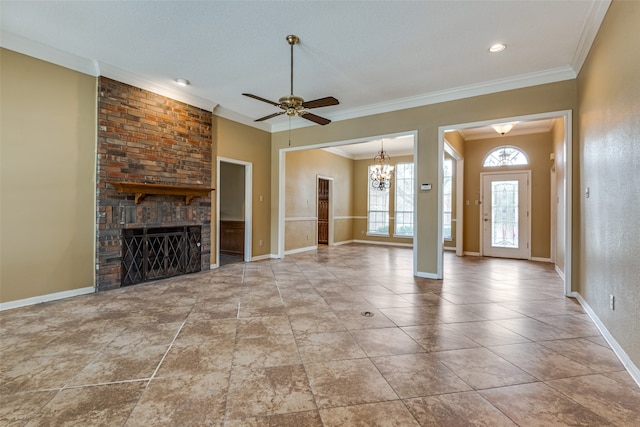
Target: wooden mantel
{"x": 141, "y": 189}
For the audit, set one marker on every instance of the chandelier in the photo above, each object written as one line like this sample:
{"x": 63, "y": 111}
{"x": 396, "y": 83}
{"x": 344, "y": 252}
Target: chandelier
{"x": 382, "y": 172}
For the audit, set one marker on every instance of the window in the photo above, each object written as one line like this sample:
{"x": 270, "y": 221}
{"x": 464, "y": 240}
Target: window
{"x": 505, "y": 156}
{"x": 378, "y": 214}
{"x": 404, "y": 199}
{"x": 446, "y": 199}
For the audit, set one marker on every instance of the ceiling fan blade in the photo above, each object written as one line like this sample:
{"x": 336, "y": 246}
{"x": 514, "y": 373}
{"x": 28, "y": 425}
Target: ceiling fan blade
{"x": 321, "y": 102}
{"x": 317, "y": 119}
{"x": 270, "y": 116}
{"x": 261, "y": 99}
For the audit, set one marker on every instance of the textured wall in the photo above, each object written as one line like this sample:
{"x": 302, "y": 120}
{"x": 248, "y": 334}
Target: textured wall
{"x": 609, "y": 120}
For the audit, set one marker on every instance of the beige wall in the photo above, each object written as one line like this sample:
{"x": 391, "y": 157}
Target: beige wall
{"x": 302, "y": 170}
{"x": 232, "y": 191}
{"x": 361, "y": 184}
{"x": 240, "y": 142}
{"x": 48, "y": 142}
{"x": 425, "y": 120}
{"x": 609, "y": 120}
{"x": 538, "y": 148}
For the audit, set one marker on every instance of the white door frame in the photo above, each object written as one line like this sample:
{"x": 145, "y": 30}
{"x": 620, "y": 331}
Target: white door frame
{"x": 459, "y": 196}
{"x": 484, "y": 200}
{"x": 248, "y": 208}
{"x": 567, "y": 116}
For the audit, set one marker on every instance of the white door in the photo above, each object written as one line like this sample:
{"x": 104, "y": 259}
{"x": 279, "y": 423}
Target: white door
{"x": 505, "y": 214}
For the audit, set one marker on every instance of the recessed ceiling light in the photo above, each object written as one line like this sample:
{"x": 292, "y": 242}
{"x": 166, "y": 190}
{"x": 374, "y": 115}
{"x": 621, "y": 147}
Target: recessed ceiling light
{"x": 182, "y": 82}
{"x": 497, "y": 48}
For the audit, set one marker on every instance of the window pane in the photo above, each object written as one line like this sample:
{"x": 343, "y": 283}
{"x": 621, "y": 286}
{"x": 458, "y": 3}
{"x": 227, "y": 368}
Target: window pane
{"x": 505, "y": 156}
{"x": 378, "y": 214}
{"x": 405, "y": 186}
{"x": 447, "y": 199}
{"x": 504, "y": 213}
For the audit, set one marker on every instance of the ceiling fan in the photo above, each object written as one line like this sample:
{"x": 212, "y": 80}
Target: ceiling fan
{"x": 292, "y": 105}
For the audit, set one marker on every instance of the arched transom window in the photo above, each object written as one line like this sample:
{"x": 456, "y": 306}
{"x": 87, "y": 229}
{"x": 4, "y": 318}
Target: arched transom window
{"x": 505, "y": 156}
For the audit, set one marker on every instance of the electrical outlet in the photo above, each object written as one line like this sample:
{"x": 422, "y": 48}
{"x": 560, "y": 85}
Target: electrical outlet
{"x": 612, "y": 302}
{"x": 260, "y": 242}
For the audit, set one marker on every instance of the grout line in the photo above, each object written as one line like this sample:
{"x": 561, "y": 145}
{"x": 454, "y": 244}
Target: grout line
{"x": 165, "y": 353}
{"x": 107, "y": 383}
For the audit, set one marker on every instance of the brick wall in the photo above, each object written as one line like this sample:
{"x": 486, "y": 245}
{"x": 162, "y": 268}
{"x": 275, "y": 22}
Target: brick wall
{"x": 147, "y": 138}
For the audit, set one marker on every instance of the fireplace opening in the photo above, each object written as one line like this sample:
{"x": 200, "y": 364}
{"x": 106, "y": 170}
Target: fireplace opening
{"x": 156, "y": 253}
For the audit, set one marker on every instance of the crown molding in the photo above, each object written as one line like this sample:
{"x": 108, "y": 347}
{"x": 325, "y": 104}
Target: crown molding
{"x": 48, "y": 54}
{"x": 589, "y": 32}
{"x": 136, "y": 80}
{"x": 485, "y": 88}
{"x": 241, "y": 118}
{"x": 96, "y": 68}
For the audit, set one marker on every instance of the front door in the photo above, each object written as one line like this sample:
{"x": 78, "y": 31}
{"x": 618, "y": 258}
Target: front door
{"x": 505, "y": 214}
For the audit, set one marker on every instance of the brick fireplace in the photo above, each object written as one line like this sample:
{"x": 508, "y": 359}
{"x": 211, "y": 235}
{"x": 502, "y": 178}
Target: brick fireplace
{"x": 154, "y": 166}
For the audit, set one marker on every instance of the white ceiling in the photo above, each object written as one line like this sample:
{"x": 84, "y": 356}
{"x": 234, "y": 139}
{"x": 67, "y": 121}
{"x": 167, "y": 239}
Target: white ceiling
{"x": 374, "y": 56}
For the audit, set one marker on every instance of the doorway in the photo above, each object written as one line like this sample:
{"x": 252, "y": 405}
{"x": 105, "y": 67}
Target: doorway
{"x": 233, "y": 205}
{"x": 505, "y": 221}
{"x": 323, "y": 211}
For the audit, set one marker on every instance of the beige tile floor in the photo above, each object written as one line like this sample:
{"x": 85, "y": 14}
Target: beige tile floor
{"x": 284, "y": 343}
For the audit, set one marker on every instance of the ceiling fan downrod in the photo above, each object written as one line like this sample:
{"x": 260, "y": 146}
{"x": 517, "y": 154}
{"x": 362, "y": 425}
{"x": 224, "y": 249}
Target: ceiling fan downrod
{"x": 292, "y": 40}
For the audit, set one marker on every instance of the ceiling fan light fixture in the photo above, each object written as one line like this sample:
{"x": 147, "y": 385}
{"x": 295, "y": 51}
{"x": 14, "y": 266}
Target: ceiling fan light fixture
{"x": 498, "y": 47}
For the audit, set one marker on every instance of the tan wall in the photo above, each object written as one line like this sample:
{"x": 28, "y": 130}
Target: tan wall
{"x": 537, "y": 147}
{"x": 232, "y": 197}
{"x": 302, "y": 170}
{"x": 425, "y": 120}
{"x": 240, "y": 142}
{"x": 609, "y": 120}
{"x": 48, "y": 139}
{"x": 559, "y": 166}
{"x": 361, "y": 184}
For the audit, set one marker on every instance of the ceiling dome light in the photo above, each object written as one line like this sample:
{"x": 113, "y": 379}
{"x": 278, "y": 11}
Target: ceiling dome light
{"x": 182, "y": 82}
{"x": 503, "y": 128}
{"x": 497, "y": 48}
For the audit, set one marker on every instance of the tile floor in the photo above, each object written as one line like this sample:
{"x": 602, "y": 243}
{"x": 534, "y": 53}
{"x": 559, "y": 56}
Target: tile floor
{"x": 284, "y": 343}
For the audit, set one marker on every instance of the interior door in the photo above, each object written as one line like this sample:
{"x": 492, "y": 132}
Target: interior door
{"x": 323, "y": 211}
{"x": 505, "y": 214}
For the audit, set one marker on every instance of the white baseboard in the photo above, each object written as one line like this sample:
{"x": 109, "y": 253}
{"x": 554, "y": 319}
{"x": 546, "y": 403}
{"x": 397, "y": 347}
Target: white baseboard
{"x": 376, "y": 242}
{"x": 213, "y": 266}
{"x": 538, "y": 259}
{"x": 45, "y": 298}
{"x": 471, "y": 253}
{"x": 449, "y": 248}
{"x": 617, "y": 349}
{"x": 295, "y": 251}
{"x": 427, "y": 275}
{"x": 263, "y": 257}
{"x": 560, "y": 272}
{"x": 344, "y": 242}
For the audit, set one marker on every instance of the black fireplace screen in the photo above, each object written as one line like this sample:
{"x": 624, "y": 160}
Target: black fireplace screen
{"x": 156, "y": 253}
